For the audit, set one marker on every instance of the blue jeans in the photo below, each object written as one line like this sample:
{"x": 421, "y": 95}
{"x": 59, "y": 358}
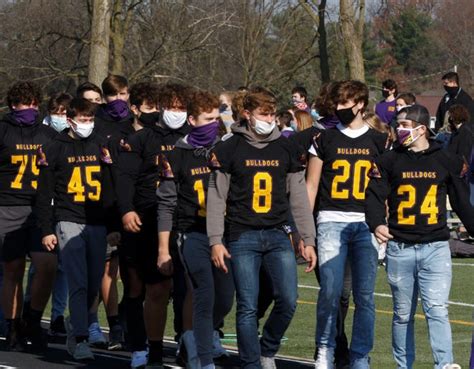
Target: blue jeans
{"x": 2, "y": 318}
{"x": 338, "y": 241}
{"x": 425, "y": 270}
{"x": 272, "y": 249}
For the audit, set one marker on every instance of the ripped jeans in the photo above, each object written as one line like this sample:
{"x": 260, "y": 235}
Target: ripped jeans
{"x": 424, "y": 270}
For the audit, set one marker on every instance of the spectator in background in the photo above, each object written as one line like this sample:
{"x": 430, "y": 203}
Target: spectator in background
{"x": 303, "y": 120}
{"x": 386, "y": 108}
{"x": 284, "y": 121}
{"x": 225, "y": 109}
{"x": 462, "y": 133}
{"x": 454, "y": 95}
{"x": 325, "y": 107}
{"x": 404, "y": 99}
{"x": 299, "y": 97}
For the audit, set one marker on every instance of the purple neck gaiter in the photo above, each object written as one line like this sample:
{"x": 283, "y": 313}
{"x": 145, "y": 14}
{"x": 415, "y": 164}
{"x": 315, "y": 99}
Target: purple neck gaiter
{"x": 26, "y": 117}
{"x": 203, "y": 136}
{"x": 117, "y": 109}
{"x": 328, "y": 122}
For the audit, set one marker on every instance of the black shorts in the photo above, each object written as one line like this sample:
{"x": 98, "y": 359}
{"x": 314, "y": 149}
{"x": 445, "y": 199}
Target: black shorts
{"x": 19, "y": 233}
{"x": 140, "y": 250}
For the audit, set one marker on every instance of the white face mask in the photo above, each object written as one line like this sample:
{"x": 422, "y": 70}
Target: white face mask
{"x": 263, "y": 128}
{"x": 174, "y": 119}
{"x": 82, "y": 130}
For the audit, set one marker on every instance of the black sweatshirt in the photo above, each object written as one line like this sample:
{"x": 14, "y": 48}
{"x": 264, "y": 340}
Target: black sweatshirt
{"x": 415, "y": 185}
{"x": 18, "y": 149}
{"x": 461, "y": 98}
{"x": 462, "y": 140}
{"x": 75, "y": 177}
{"x": 137, "y": 175}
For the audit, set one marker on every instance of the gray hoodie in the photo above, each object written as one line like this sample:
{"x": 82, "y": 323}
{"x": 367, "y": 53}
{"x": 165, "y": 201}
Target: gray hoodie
{"x": 295, "y": 184}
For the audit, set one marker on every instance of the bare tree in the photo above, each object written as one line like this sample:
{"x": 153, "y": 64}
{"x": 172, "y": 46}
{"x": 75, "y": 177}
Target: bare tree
{"x": 352, "y": 18}
{"x": 100, "y": 41}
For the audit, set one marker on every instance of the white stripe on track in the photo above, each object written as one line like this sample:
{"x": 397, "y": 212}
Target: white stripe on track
{"x": 456, "y": 303}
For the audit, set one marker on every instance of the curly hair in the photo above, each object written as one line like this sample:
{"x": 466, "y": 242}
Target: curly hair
{"x": 144, "y": 92}
{"x": 323, "y": 102}
{"x": 58, "y": 100}
{"x": 202, "y": 102}
{"x": 25, "y": 93}
{"x": 174, "y": 95}
{"x": 458, "y": 114}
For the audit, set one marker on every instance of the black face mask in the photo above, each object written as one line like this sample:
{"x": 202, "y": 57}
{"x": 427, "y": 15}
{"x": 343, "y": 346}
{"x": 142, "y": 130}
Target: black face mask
{"x": 385, "y": 93}
{"x": 346, "y": 116}
{"x": 452, "y": 91}
{"x": 149, "y": 119}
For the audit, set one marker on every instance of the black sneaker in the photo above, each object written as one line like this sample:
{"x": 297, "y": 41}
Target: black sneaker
{"x": 57, "y": 328}
{"x": 38, "y": 338}
{"x": 15, "y": 340}
{"x": 115, "y": 338}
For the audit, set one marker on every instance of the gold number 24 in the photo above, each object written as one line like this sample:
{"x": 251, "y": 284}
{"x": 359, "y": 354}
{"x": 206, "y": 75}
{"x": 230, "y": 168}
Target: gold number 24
{"x": 428, "y": 206}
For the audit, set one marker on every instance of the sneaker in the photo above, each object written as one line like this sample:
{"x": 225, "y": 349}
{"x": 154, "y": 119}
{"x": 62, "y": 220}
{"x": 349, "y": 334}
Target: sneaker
{"x": 15, "y": 340}
{"x": 37, "y": 337}
{"x": 57, "y": 328}
{"x": 96, "y": 337}
{"x": 452, "y": 366}
{"x": 360, "y": 363}
{"x": 83, "y": 352}
{"x": 217, "y": 349}
{"x": 70, "y": 338}
{"x": 267, "y": 362}
{"x": 139, "y": 359}
{"x": 115, "y": 338}
{"x": 325, "y": 359}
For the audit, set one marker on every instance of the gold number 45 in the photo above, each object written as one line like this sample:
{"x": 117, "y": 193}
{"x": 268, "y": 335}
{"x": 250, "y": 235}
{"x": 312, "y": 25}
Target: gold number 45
{"x": 428, "y": 206}
{"x": 76, "y": 187}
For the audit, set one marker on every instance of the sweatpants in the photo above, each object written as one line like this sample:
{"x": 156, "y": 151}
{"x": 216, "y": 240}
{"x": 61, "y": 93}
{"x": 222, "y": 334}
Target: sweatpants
{"x": 213, "y": 292}
{"x": 82, "y": 249}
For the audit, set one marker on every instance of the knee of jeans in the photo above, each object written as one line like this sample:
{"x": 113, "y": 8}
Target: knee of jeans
{"x": 433, "y": 310}
{"x": 286, "y": 301}
{"x": 403, "y": 315}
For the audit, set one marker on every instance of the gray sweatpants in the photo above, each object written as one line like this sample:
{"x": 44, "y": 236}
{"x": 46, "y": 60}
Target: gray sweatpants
{"x": 213, "y": 292}
{"x": 82, "y": 249}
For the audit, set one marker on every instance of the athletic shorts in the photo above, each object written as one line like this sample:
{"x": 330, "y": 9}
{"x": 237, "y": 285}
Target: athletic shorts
{"x": 140, "y": 250}
{"x": 19, "y": 233}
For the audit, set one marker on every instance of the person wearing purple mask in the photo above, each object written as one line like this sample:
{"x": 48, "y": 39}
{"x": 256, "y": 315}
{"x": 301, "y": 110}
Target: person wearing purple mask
{"x": 185, "y": 168}
{"x": 21, "y": 135}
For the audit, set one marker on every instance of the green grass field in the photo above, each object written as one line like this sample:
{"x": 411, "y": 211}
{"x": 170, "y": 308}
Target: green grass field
{"x": 300, "y": 335}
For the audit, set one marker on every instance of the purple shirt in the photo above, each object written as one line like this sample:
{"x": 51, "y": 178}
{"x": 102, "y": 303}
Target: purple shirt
{"x": 386, "y": 110}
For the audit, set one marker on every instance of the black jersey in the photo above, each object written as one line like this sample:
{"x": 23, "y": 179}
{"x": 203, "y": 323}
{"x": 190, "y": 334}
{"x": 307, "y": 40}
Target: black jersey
{"x": 75, "y": 177}
{"x": 111, "y": 128}
{"x": 257, "y": 197}
{"x": 18, "y": 155}
{"x": 416, "y": 185}
{"x": 346, "y": 163}
{"x": 304, "y": 139}
{"x": 189, "y": 169}
{"x": 137, "y": 175}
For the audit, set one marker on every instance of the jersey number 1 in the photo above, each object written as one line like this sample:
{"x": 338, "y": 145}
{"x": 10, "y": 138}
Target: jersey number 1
{"x": 199, "y": 188}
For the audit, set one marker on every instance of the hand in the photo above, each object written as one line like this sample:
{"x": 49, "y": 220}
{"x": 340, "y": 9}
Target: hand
{"x": 131, "y": 222}
{"x": 165, "y": 264}
{"x": 113, "y": 238}
{"x": 382, "y": 234}
{"x": 218, "y": 255}
{"x": 49, "y": 242}
{"x": 309, "y": 254}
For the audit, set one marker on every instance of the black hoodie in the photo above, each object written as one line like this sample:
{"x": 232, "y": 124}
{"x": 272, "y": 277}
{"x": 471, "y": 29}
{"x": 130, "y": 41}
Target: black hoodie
{"x": 110, "y": 128}
{"x": 415, "y": 185}
{"x": 19, "y": 144}
{"x": 137, "y": 175}
{"x": 75, "y": 178}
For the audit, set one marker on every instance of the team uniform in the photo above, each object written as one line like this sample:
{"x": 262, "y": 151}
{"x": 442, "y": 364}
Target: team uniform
{"x": 415, "y": 186}
{"x": 254, "y": 183}
{"x": 74, "y": 193}
{"x": 19, "y": 233}
{"x": 137, "y": 179}
{"x": 343, "y": 234}
{"x": 182, "y": 194}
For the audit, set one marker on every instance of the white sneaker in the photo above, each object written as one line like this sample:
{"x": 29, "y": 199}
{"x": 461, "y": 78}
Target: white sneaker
{"x": 267, "y": 362}
{"x": 96, "y": 337}
{"x": 83, "y": 352}
{"x": 139, "y": 359}
{"x": 70, "y": 338}
{"x": 217, "y": 349}
{"x": 325, "y": 358}
{"x": 452, "y": 366}
{"x": 191, "y": 350}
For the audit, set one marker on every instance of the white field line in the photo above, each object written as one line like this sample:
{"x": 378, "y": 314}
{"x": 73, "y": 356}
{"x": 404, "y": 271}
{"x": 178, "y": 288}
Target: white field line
{"x": 389, "y": 295}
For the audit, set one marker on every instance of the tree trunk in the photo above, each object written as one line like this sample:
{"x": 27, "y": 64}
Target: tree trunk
{"x": 352, "y": 27}
{"x": 100, "y": 39}
{"x": 323, "y": 45}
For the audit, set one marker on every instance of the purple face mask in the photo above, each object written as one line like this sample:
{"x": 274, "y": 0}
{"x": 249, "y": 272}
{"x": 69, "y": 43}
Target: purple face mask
{"x": 117, "y": 109}
{"x": 26, "y": 117}
{"x": 203, "y": 136}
